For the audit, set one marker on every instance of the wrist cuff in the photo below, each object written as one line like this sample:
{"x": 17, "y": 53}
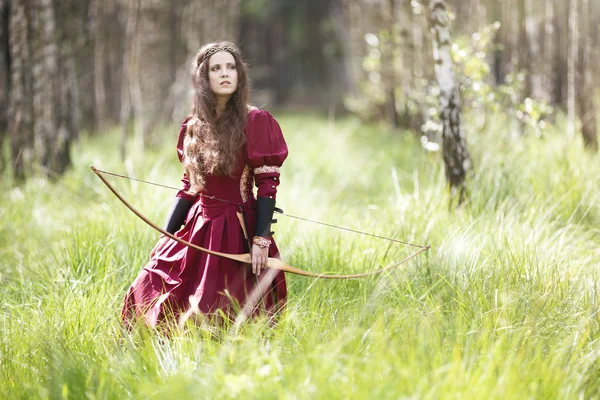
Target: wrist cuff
{"x": 265, "y": 207}
{"x": 177, "y": 214}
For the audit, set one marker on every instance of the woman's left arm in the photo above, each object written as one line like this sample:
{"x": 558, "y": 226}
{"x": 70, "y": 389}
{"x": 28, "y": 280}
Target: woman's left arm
{"x": 267, "y": 151}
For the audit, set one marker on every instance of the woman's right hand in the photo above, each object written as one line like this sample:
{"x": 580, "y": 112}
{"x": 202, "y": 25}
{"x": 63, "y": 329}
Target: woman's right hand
{"x": 162, "y": 240}
{"x": 260, "y": 256}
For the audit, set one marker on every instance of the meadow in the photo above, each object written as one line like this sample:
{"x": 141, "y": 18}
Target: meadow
{"x": 504, "y": 304}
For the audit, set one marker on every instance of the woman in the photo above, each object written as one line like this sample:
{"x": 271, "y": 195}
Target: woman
{"x": 224, "y": 146}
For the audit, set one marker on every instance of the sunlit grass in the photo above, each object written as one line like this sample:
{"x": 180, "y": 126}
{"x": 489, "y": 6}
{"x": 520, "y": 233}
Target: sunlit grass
{"x": 504, "y": 305}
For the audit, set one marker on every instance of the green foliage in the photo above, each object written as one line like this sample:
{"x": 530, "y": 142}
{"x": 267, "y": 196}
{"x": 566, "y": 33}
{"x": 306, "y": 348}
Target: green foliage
{"x": 481, "y": 97}
{"x": 254, "y": 8}
{"x": 504, "y": 305}
{"x": 379, "y": 76}
{"x": 473, "y": 55}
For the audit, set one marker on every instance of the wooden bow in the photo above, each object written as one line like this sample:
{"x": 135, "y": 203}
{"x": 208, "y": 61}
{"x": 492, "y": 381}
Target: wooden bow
{"x": 246, "y": 257}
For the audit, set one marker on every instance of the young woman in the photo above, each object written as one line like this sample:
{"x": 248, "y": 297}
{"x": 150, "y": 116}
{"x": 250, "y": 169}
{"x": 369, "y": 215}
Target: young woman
{"x": 225, "y": 146}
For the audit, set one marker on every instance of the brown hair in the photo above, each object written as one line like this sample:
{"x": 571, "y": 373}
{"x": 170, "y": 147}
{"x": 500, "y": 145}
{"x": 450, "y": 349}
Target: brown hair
{"x": 212, "y": 146}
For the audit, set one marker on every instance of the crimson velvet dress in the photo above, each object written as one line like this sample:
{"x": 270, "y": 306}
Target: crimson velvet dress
{"x": 179, "y": 281}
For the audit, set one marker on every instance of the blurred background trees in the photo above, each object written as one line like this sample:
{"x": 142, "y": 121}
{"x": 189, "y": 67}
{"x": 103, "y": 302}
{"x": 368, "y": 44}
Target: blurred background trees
{"x": 87, "y": 65}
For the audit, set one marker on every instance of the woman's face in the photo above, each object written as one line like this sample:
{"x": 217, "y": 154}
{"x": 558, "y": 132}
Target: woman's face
{"x": 222, "y": 74}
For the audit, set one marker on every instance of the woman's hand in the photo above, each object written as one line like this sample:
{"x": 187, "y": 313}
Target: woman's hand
{"x": 162, "y": 240}
{"x": 259, "y": 258}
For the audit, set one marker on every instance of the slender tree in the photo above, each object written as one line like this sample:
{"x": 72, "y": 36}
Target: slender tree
{"x": 97, "y": 27}
{"x": 572, "y": 64}
{"x": 560, "y": 62}
{"x": 532, "y": 62}
{"x": 4, "y": 76}
{"x": 68, "y": 120}
{"x": 499, "y": 51}
{"x": 586, "y": 107}
{"x": 456, "y": 155}
{"x": 21, "y": 93}
{"x": 130, "y": 91}
{"x": 47, "y": 85}
{"x": 549, "y": 47}
{"x": 388, "y": 45}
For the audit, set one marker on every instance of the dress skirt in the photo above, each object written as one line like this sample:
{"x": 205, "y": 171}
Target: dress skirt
{"x": 180, "y": 282}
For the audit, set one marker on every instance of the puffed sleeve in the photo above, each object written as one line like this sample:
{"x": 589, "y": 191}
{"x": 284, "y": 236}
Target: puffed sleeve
{"x": 266, "y": 152}
{"x": 184, "y": 191}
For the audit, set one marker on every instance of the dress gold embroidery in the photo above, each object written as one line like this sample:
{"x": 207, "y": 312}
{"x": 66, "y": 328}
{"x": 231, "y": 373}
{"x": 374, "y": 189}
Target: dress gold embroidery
{"x": 246, "y": 183}
{"x": 266, "y": 169}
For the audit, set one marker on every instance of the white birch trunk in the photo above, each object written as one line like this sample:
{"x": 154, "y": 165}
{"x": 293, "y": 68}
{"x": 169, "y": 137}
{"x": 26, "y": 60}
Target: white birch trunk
{"x": 456, "y": 156}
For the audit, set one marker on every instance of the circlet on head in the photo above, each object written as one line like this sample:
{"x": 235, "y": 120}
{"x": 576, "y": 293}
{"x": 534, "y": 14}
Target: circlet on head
{"x": 217, "y": 49}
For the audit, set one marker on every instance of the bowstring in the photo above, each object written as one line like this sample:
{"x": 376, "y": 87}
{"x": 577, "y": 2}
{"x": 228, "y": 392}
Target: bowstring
{"x": 277, "y": 210}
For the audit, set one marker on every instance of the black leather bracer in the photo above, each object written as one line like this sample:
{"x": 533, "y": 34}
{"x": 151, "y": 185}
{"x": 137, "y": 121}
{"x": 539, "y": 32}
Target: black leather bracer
{"x": 265, "y": 208}
{"x": 177, "y": 214}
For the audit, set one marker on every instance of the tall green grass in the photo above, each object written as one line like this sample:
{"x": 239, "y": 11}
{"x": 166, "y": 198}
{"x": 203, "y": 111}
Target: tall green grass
{"x": 504, "y": 305}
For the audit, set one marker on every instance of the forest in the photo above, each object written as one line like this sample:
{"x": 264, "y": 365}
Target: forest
{"x": 465, "y": 128}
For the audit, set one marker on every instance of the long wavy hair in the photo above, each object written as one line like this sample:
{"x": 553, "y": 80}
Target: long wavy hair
{"x": 212, "y": 145}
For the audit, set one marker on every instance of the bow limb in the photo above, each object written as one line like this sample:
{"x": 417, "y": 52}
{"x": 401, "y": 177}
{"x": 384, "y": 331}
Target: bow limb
{"x": 278, "y": 264}
{"x": 246, "y": 257}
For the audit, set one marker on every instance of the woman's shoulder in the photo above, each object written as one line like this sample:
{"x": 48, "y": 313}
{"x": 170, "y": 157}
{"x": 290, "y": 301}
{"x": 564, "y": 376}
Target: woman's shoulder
{"x": 262, "y": 129}
{"x": 256, "y": 114}
{"x": 265, "y": 143}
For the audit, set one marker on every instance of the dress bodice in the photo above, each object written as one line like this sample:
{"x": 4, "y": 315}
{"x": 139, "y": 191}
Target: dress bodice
{"x": 264, "y": 152}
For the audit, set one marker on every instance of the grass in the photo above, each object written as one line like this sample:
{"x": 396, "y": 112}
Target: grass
{"x": 504, "y": 305}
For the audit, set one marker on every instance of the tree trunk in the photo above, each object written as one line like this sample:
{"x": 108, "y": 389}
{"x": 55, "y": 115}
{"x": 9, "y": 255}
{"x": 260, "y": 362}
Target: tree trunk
{"x": 4, "y": 76}
{"x": 21, "y": 95}
{"x": 388, "y": 47}
{"x": 353, "y": 45}
{"x": 55, "y": 83}
{"x": 68, "y": 122}
{"x": 548, "y": 48}
{"x": 499, "y": 68}
{"x": 4, "y": 68}
{"x": 456, "y": 156}
{"x": 99, "y": 40}
{"x": 80, "y": 19}
{"x": 47, "y": 84}
{"x": 129, "y": 92}
{"x": 585, "y": 82}
{"x": 561, "y": 54}
{"x": 512, "y": 22}
{"x": 418, "y": 39}
{"x": 419, "y": 71}
{"x": 572, "y": 64}
{"x": 533, "y": 61}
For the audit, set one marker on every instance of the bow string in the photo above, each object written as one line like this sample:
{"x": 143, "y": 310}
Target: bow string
{"x": 246, "y": 257}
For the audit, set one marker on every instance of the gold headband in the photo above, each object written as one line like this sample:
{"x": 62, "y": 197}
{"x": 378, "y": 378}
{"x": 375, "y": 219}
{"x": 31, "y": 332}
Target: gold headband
{"x": 217, "y": 49}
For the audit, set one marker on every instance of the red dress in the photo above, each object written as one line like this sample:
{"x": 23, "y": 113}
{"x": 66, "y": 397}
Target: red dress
{"x": 179, "y": 281}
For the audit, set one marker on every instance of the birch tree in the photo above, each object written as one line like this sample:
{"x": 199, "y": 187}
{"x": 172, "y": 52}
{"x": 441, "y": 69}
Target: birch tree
{"x": 456, "y": 156}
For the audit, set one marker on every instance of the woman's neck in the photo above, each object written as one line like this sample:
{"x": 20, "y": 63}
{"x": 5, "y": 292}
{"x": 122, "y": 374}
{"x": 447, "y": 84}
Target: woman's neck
{"x": 221, "y": 105}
